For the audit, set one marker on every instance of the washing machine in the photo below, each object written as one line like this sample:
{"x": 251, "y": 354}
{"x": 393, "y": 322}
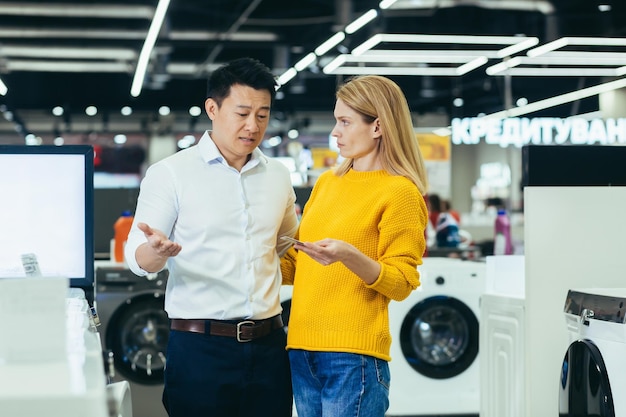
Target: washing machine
{"x": 134, "y": 329}
{"x": 286, "y": 291}
{"x": 593, "y": 372}
{"x": 434, "y": 349}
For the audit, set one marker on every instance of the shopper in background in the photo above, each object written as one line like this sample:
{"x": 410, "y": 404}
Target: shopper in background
{"x": 434, "y": 208}
{"x": 446, "y": 207}
{"x": 437, "y": 205}
{"x": 363, "y": 228}
{"x": 444, "y": 223}
{"x": 213, "y": 213}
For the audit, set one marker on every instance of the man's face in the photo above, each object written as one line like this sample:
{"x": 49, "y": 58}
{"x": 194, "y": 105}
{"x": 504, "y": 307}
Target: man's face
{"x": 239, "y": 124}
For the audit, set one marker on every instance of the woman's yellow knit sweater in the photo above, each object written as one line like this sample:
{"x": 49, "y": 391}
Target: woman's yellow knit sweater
{"x": 333, "y": 310}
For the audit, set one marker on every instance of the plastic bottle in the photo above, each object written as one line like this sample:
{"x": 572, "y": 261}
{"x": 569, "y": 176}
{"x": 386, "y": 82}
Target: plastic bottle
{"x": 122, "y": 228}
{"x": 502, "y": 241}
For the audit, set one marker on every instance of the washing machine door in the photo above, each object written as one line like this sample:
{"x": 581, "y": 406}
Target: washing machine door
{"x": 286, "y": 305}
{"x": 584, "y": 387}
{"x": 439, "y": 337}
{"x": 137, "y": 334}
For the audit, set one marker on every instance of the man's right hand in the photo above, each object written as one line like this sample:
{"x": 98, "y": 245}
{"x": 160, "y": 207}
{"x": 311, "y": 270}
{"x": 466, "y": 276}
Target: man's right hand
{"x": 158, "y": 242}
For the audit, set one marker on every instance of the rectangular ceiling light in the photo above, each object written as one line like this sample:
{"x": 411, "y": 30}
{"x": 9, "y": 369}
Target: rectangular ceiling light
{"x": 452, "y": 39}
{"x": 432, "y": 71}
{"x": 415, "y": 57}
{"x": 560, "y": 99}
{"x": 515, "y": 43}
{"x": 118, "y": 54}
{"x": 305, "y": 62}
{"x": 467, "y": 59}
{"x": 67, "y": 66}
{"x": 542, "y": 6}
{"x": 518, "y": 47}
{"x": 472, "y": 65}
{"x": 501, "y": 67}
{"x": 105, "y": 11}
{"x": 329, "y": 44}
{"x": 546, "y": 60}
{"x": 205, "y": 35}
{"x": 361, "y": 21}
{"x": 146, "y": 50}
{"x": 385, "y": 4}
{"x": 588, "y": 59}
{"x": 175, "y": 35}
{"x": 557, "y": 72}
{"x": 575, "y": 41}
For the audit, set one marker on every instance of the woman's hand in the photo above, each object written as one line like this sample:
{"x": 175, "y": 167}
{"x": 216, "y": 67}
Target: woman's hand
{"x": 329, "y": 251}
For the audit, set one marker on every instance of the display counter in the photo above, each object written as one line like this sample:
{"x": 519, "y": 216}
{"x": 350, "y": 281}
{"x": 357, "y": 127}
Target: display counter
{"x": 49, "y": 373}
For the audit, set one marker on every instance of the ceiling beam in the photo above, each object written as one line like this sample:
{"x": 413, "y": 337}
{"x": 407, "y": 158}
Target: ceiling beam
{"x": 103, "y": 11}
{"x": 174, "y": 35}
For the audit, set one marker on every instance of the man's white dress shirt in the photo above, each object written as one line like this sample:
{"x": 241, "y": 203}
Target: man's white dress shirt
{"x": 228, "y": 224}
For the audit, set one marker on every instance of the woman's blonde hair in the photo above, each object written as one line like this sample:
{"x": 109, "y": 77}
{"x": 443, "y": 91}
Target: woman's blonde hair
{"x": 376, "y": 97}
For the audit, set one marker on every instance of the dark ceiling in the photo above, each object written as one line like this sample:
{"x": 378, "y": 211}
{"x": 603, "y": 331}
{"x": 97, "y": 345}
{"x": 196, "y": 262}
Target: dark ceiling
{"x": 197, "y": 34}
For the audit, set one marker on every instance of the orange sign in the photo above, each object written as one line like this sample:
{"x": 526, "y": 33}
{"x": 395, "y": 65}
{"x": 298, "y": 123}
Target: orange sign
{"x": 434, "y": 147}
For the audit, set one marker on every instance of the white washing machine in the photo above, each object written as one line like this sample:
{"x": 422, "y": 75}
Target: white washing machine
{"x": 593, "y": 372}
{"x": 286, "y": 291}
{"x": 434, "y": 349}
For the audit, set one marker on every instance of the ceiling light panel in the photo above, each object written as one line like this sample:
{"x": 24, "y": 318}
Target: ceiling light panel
{"x": 557, "y": 72}
{"x": 420, "y": 54}
{"x": 598, "y": 43}
{"x": 67, "y": 66}
{"x": 560, "y": 99}
{"x": 117, "y": 54}
{"x": 542, "y": 6}
{"x": 105, "y": 11}
{"x": 568, "y": 56}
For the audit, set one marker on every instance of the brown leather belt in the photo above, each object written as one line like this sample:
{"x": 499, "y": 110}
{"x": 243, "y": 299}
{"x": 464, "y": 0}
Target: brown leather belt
{"x": 243, "y": 331}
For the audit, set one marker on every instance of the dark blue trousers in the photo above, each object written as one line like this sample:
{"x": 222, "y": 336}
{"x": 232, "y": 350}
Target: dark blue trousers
{"x": 216, "y": 376}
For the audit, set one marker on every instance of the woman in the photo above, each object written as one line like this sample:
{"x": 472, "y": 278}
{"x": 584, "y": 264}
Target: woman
{"x": 363, "y": 233}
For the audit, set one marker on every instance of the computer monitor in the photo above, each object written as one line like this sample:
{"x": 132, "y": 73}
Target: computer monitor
{"x": 46, "y": 209}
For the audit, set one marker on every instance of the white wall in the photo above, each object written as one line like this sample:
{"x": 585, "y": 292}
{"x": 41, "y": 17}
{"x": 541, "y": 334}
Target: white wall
{"x": 465, "y": 168}
{"x": 574, "y": 238}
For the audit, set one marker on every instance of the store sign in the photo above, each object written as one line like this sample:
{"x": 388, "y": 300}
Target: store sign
{"x": 538, "y": 131}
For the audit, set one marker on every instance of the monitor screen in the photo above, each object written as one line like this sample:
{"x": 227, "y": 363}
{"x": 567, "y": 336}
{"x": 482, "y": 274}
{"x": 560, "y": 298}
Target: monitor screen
{"x": 46, "y": 211}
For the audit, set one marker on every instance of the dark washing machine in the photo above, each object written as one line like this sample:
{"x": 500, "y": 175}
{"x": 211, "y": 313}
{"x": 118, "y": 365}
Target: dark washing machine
{"x": 593, "y": 376}
{"x": 135, "y": 329}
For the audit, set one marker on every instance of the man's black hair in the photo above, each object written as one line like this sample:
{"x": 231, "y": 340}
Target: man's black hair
{"x": 242, "y": 71}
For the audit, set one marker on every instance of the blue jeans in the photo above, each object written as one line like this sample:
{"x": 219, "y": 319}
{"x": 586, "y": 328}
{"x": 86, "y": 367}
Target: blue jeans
{"x": 331, "y": 384}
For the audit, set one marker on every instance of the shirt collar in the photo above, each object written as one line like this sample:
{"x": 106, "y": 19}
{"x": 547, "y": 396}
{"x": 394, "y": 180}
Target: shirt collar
{"x": 210, "y": 153}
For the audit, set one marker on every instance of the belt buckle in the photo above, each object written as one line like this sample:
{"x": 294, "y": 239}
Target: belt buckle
{"x": 241, "y": 323}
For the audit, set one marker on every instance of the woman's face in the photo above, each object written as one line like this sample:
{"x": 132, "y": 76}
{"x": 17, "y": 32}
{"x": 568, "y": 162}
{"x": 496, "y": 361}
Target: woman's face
{"x": 355, "y": 138}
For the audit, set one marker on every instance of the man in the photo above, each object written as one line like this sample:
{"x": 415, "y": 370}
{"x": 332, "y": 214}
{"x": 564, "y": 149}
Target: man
{"x": 213, "y": 213}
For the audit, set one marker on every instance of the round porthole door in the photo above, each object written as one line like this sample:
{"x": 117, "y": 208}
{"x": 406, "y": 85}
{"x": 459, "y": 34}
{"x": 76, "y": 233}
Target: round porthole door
{"x": 439, "y": 337}
{"x": 137, "y": 335}
{"x": 584, "y": 388}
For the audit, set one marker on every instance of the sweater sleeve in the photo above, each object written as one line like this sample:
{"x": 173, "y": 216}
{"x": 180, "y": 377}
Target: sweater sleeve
{"x": 288, "y": 266}
{"x": 401, "y": 243}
